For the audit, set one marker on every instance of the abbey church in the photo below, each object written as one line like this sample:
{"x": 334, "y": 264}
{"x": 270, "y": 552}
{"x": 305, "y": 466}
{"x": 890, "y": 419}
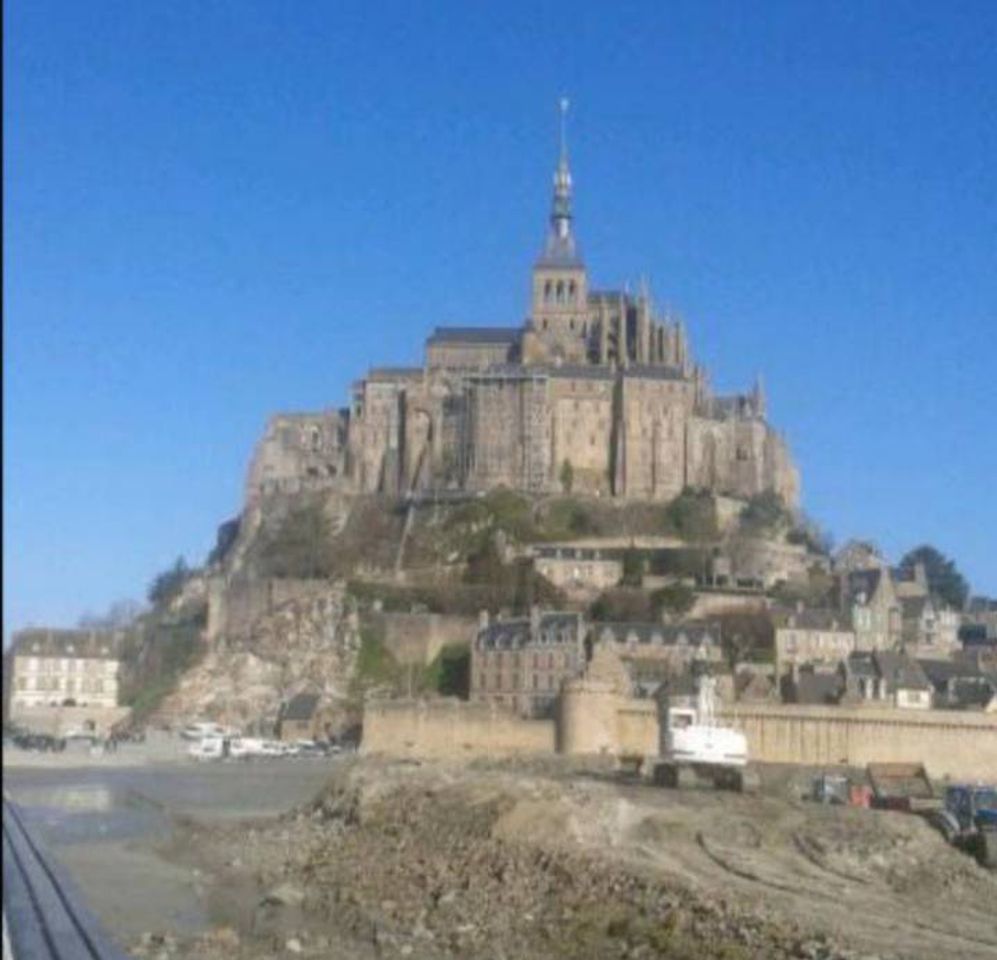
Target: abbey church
{"x": 595, "y": 391}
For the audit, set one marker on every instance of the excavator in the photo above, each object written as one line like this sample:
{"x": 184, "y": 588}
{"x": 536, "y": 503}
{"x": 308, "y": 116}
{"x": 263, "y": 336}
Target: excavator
{"x": 694, "y": 748}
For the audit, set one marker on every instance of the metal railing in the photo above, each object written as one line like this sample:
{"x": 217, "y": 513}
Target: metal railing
{"x": 43, "y": 916}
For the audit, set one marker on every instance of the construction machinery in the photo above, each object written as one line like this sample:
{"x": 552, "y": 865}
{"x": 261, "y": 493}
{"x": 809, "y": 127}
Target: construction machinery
{"x": 902, "y": 786}
{"x": 968, "y": 820}
{"x": 693, "y": 747}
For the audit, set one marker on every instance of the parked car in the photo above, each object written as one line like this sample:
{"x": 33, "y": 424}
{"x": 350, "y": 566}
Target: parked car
{"x": 245, "y": 748}
{"x": 39, "y": 742}
{"x": 209, "y": 748}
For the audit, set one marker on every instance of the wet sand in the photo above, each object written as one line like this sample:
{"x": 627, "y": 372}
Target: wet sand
{"x": 112, "y": 826}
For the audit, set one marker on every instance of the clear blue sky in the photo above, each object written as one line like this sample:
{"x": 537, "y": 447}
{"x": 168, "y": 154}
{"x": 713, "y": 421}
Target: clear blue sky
{"x": 218, "y": 210}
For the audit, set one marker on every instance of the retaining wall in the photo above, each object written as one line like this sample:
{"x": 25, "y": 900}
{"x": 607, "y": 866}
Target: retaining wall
{"x": 416, "y": 638}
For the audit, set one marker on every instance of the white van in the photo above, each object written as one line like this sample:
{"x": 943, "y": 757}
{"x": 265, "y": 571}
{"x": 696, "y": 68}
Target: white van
{"x": 209, "y": 748}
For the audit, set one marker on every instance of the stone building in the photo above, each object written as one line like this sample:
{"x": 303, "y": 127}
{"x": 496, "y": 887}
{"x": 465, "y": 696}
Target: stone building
{"x": 596, "y": 378}
{"x": 578, "y": 569}
{"x": 810, "y": 637}
{"x": 870, "y": 600}
{"x": 886, "y": 678}
{"x": 64, "y": 668}
{"x": 65, "y": 681}
{"x": 928, "y": 627}
{"x": 520, "y": 663}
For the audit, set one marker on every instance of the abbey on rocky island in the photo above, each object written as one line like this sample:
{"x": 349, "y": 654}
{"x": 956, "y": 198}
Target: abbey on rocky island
{"x": 595, "y": 392}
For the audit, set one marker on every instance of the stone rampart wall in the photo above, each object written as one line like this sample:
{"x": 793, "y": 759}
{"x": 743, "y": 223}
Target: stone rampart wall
{"x": 593, "y": 719}
{"x": 451, "y": 728}
{"x": 58, "y": 721}
{"x": 949, "y": 744}
{"x": 234, "y": 606}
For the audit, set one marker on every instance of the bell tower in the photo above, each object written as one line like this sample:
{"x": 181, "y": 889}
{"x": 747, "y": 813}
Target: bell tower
{"x": 559, "y": 316}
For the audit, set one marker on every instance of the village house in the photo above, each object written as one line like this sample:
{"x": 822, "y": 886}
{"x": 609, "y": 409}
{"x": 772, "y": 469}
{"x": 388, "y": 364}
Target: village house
{"x": 887, "y": 678}
{"x": 304, "y": 717}
{"x": 65, "y": 668}
{"x": 578, "y": 569}
{"x": 805, "y": 636}
{"x": 929, "y": 628}
{"x": 655, "y": 653}
{"x": 65, "y": 680}
{"x": 520, "y": 662}
{"x": 871, "y": 602}
{"x": 960, "y": 684}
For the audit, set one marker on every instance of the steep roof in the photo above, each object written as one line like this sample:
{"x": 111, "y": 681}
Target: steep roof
{"x": 514, "y": 633}
{"x": 691, "y": 634}
{"x": 301, "y": 706}
{"x": 864, "y": 581}
{"x": 816, "y": 687}
{"x": 959, "y": 684}
{"x": 67, "y": 644}
{"x": 475, "y": 335}
{"x": 900, "y": 671}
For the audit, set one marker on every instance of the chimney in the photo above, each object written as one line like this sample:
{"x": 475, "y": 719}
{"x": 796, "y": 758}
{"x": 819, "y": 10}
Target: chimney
{"x": 799, "y": 606}
{"x": 483, "y": 620}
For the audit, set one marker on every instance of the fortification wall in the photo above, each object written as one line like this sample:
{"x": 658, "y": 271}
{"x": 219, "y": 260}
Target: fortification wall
{"x": 451, "y": 728}
{"x": 235, "y": 605}
{"x": 949, "y": 744}
{"x": 416, "y": 638}
{"x": 594, "y": 718}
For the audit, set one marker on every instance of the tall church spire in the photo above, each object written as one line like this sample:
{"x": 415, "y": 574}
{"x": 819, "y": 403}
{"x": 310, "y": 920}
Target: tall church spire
{"x": 560, "y": 246}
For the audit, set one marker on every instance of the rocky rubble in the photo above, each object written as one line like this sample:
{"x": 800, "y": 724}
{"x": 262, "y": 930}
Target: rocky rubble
{"x": 428, "y": 862}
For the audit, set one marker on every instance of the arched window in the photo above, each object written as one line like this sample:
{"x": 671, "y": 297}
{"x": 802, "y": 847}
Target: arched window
{"x": 560, "y": 291}
{"x": 572, "y": 292}
{"x": 547, "y": 292}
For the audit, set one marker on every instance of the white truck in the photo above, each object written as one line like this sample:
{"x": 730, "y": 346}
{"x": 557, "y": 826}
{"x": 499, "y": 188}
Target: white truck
{"x": 693, "y": 747}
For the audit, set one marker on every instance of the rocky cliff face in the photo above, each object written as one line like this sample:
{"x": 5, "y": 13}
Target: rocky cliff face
{"x": 306, "y": 644}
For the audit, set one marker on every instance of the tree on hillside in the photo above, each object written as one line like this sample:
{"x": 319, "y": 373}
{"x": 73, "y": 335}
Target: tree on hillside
{"x": 567, "y": 476}
{"x": 166, "y": 586}
{"x": 121, "y": 614}
{"x": 676, "y": 600}
{"x": 764, "y": 513}
{"x": 633, "y": 568}
{"x": 943, "y": 576}
{"x": 746, "y": 635}
{"x": 810, "y": 534}
{"x": 693, "y": 516}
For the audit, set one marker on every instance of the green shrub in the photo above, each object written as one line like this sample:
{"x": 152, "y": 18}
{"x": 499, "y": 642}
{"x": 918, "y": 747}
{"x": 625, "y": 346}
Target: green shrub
{"x": 676, "y": 599}
{"x": 692, "y": 515}
{"x": 449, "y": 674}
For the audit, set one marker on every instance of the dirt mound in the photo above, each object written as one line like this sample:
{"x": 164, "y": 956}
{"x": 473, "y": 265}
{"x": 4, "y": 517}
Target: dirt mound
{"x": 484, "y": 861}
